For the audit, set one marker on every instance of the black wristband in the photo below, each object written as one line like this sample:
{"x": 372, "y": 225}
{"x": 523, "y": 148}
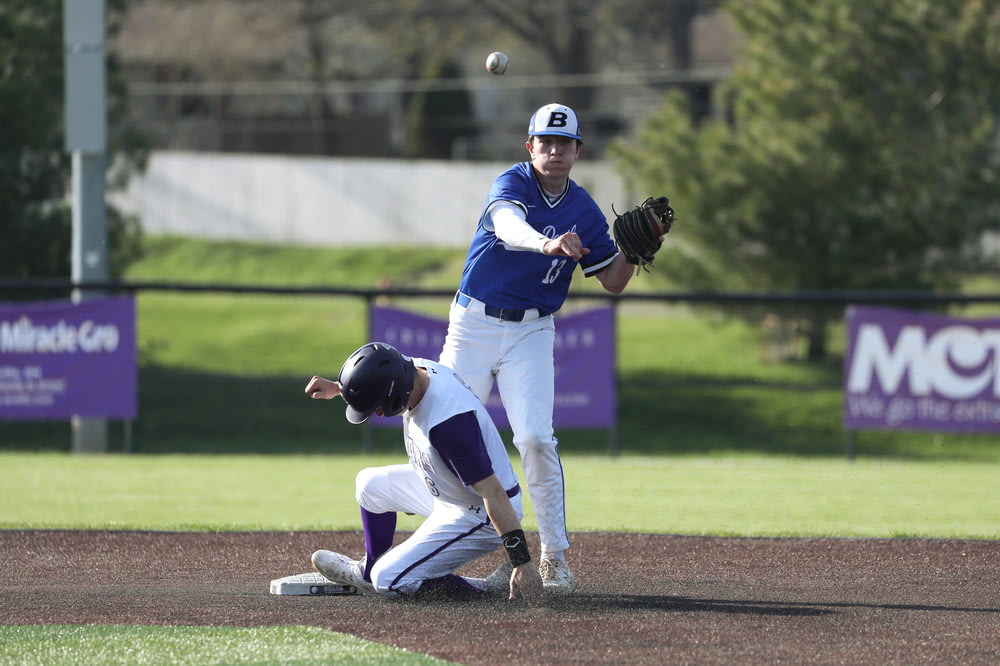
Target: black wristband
{"x": 516, "y": 546}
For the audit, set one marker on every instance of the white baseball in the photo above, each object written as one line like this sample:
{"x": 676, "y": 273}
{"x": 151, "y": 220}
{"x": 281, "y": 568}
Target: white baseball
{"x": 496, "y": 62}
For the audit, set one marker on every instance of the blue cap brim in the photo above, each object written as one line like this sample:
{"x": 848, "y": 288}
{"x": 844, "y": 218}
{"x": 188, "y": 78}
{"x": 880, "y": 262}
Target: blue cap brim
{"x": 566, "y": 134}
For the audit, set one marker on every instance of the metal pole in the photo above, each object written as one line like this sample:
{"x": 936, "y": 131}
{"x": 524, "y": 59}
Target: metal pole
{"x": 86, "y": 139}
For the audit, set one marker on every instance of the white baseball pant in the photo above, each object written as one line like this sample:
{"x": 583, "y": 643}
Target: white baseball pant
{"x": 519, "y": 357}
{"x": 449, "y": 538}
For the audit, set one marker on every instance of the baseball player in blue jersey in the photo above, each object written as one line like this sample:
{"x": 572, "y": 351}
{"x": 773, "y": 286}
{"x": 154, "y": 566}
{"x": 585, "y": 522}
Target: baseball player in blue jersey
{"x": 459, "y": 476}
{"x": 536, "y": 227}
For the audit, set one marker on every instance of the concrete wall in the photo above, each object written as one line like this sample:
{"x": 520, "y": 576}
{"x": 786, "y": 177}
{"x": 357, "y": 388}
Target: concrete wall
{"x": 327, "y": 201}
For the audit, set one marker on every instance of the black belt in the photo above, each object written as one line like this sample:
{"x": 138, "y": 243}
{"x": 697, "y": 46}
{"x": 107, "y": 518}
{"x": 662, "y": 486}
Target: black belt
{"x": 512, "y": 493}
{"x": 503, "y": 314}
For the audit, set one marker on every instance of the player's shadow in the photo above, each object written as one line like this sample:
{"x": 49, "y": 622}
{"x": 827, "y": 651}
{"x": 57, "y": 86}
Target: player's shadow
{"x": 595, "y": 603}
{"x": 617, "y": 603}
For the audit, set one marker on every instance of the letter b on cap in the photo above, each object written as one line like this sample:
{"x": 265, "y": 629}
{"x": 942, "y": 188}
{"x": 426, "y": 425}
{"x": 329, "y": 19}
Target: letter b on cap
{"x": 558, "y": 119}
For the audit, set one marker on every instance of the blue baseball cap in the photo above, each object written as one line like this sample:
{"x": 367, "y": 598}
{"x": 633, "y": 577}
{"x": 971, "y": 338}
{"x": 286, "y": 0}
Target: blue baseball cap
{"x": 555, "y": 120}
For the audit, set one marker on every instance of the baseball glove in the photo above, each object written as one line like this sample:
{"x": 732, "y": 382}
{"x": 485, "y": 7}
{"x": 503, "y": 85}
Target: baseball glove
{"x": 639, "y": 231}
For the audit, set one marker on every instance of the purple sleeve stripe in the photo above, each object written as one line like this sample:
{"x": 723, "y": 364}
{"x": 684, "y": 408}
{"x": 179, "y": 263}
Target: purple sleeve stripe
{"x": 460, "y": 443}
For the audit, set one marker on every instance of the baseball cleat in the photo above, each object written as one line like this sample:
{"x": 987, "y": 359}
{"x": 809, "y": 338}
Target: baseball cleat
{"x": 557, "y": 576}
{"x": 499, "y": 581}
{"x": 341, "y": 569}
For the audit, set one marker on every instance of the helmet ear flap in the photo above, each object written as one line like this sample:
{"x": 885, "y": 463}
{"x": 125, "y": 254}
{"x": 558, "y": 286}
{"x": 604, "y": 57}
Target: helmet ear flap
{"x": 399, "y": 394}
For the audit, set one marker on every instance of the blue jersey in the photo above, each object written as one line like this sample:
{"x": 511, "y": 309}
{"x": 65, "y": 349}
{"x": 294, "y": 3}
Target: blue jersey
{"x": 520, "y": 279}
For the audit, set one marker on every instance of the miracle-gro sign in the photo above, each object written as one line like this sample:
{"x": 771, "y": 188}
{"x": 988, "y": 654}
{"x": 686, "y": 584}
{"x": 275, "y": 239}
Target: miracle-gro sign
{"x": 60, "y": 359}
{"x": 909, "y": 370}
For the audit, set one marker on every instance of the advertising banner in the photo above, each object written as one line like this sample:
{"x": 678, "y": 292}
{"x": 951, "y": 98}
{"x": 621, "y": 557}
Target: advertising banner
{"x": 584, "y": 362}
{"x": 60, "y": 359}
{"x": 914, "y": 371}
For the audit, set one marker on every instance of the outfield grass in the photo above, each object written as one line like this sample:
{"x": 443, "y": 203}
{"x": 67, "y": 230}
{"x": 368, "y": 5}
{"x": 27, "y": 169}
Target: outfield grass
{"x": 724, "y": 496}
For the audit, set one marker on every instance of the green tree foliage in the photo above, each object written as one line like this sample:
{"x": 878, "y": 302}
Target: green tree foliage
{"x": 35, "y": 217}
{"x": 438, "y": 119}
{"x": 860, "y": 150}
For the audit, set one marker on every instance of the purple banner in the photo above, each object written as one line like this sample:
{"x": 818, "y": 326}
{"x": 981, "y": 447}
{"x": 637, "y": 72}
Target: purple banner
{"x": 584, "y": 362}
{"x": 914, "y": 371}
{"x": 61, "y": 359}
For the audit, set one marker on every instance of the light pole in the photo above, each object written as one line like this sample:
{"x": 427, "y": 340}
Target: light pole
{"x": 86, "y": 140}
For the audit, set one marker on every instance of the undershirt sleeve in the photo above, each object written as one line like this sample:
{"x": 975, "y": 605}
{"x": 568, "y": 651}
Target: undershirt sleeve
{"x": 460, "y": 443}
{"x": 511, "y": 226}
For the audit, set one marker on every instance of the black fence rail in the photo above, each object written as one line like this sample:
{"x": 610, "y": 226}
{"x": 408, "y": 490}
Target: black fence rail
{"x": 833, "y": 297}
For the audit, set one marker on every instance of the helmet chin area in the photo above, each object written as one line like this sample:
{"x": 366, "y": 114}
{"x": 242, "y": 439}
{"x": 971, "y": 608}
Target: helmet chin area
{"x": 394, "y": 412}
{"x": 397, "y": 399}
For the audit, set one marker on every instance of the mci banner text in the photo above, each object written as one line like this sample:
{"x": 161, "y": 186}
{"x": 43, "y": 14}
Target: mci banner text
{"x": 915, "y": 371}
{"x": 584, "y": 362}
{"x": 61, "y": 359}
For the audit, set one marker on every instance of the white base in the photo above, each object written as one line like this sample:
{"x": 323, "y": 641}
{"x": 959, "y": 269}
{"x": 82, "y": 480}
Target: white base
{"x": 309, "y": 584}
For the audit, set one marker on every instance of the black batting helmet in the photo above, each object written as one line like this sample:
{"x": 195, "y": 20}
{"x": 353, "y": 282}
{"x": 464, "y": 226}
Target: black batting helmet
{"x": 376, "y": 375}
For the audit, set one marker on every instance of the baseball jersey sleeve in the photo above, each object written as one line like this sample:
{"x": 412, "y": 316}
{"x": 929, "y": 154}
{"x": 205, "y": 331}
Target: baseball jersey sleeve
{"x": 602, "y": 247}
{"x": 459, "y": 442}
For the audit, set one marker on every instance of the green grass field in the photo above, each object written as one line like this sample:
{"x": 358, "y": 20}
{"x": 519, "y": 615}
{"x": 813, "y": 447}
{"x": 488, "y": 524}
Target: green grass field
{"x": 193, "y": 646}
{"x": 726, "y": 495}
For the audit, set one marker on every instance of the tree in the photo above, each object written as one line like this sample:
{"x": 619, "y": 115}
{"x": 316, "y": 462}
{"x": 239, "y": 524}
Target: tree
{"x": 35, "y": 219}
{"x": 570, "y": 33}
{"x": 438, "y": 119}
{"x": 860, "y": 151}
{"x": 372, "y": 60}
{"x": 402, "y": 39}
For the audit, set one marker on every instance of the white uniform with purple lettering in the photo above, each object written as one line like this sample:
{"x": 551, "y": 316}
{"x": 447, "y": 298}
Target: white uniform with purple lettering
{"x": 500, "y": 326}
{"x": 451, "y": 443}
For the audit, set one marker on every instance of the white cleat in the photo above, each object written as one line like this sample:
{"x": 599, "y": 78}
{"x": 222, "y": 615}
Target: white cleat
{"x": 341, "y": 569}
{"x": 557, "y": 577}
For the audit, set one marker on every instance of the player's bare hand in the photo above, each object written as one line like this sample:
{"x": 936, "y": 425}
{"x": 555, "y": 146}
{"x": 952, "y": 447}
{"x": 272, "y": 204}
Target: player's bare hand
{"x": 322, "y": 388}
{"x": 569, "y": 245}
{"x": 526, "y": 583}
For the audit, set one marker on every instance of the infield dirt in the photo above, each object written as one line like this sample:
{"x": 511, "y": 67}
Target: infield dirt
{"x": 643, "y": 599}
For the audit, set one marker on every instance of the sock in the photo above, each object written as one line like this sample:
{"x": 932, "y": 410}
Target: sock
{"x": 380, "y": 528}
